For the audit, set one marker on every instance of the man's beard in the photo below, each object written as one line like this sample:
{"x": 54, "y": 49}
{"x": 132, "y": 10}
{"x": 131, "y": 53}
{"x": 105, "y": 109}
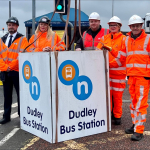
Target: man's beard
{"x": 12, "y": 31}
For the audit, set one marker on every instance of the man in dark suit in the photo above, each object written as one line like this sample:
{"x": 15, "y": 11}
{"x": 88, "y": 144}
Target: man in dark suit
{"x": 9, "y": 67}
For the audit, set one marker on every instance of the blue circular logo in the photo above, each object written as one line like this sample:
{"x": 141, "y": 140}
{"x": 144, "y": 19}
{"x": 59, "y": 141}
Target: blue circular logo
{"x": 67, "y": 72}
{"x": 27, "y": 71}
{"x": 34, "y": 87}
{"x": 82, "y": 89}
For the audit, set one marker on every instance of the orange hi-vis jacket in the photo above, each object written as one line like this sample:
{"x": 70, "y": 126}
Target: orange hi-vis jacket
{"x": 3, "y": 56}
{"x": 137, "y": 55}
{"x": 9, "y": 56}
{"x": 42, "y": 42}
{"x": 89, "y": 43}
{"x": 116, "y": 66}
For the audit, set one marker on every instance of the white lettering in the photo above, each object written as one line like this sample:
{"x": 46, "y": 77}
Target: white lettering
{"x": 34, "y": 84}
{"x": 85, "y": 85}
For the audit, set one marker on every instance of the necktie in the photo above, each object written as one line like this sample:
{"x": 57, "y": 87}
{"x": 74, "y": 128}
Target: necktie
{"x": 10, "y": 40}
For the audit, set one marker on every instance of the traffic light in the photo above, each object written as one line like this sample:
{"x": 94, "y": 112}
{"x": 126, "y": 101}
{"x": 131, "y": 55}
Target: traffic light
{"x": 61, "y": 7}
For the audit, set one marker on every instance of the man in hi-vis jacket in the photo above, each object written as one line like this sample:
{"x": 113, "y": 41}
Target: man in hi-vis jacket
{"x": 9, "y": 66}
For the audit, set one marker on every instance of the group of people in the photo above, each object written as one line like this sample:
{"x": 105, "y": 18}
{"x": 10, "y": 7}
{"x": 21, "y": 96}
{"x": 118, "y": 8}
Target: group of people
{"x": 128, "y": 56}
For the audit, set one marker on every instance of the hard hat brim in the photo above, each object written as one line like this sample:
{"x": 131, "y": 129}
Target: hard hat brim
{"x": 114, "y": 22}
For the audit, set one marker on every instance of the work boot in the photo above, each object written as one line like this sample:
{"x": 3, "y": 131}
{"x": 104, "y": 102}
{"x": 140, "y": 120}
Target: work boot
{"x": 136, "y": 136}
{"x": 117, "y": 121}
{"x": 4, "y": 120}
{"x": 130, "y": 130}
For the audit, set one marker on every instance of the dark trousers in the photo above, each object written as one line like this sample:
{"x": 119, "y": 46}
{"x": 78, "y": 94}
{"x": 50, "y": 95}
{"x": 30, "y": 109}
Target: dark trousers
{"x": 10, "y": 79}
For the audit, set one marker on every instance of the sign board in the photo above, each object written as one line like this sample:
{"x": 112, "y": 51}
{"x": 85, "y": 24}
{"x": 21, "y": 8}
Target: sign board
{"x": 81, "y": 108}
{"x": 72, "y": 102}
{"x": 35, "y": 94}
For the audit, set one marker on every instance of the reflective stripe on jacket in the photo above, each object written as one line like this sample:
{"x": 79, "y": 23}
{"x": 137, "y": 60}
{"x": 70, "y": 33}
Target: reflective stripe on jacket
{"x": 116, "y": 66}
{"x": 42, "y": 42}
{"x": 3, "y": 56}
{"x": 89, "y": 43}
{"x": 10, "y": 55}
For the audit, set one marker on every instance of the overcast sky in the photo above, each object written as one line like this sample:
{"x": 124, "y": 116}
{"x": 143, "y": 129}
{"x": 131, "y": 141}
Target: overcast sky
{"x": 124, "y": 9}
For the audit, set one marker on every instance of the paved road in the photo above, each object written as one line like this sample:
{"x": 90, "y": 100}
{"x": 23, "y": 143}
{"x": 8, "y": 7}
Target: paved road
{"x": 13, "y": 138}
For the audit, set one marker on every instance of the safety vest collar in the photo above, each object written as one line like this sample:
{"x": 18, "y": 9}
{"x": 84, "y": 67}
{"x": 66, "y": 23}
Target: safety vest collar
{"x": 116, "y": 35}
{"x": 43, "y": 34}
{"x": 142, "y": 34}
{"x": 16, "y": 37}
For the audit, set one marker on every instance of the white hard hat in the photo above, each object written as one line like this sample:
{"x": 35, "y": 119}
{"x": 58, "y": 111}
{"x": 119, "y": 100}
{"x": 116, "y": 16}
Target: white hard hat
{"x": 135, "y": 19}
{"x": 115, "y": 19}
{"x": 94, "y": 15}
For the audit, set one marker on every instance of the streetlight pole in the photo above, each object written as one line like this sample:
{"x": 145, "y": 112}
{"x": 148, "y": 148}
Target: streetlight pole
{"x": 33, "y": 16}
{"x": 9, "y": 9}
{"x": 112, "y": 8}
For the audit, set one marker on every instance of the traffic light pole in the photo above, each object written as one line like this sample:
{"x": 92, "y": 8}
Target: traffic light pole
{"x": 72, "y": 30}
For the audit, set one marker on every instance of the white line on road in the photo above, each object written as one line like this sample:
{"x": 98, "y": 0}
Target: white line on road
{"x": 14, "y": 105}
{"x": 8, "y": 136}
{"x": 15, "y": 115}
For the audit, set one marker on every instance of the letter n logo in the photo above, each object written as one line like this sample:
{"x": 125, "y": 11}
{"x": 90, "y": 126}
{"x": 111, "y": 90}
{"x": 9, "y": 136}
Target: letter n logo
{"x": 82, "y": 88}
{"x": 34, "y": 88}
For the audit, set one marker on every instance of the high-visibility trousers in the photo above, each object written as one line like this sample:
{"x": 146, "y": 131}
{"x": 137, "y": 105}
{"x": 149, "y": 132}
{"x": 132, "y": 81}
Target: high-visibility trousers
{"x": 138, "y": 89}
{"x": 117, "y": 87}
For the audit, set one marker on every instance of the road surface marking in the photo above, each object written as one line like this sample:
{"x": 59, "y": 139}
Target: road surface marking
{"x": 73, "y": 145}
{"x": 14, "y": 105}
{"x": 15, "y": 115}
{"x": 146, "y": 133}
{"x": 8, "y": 136}
{"x": 121, "y": 136}
{"x": 30, "y": 143}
